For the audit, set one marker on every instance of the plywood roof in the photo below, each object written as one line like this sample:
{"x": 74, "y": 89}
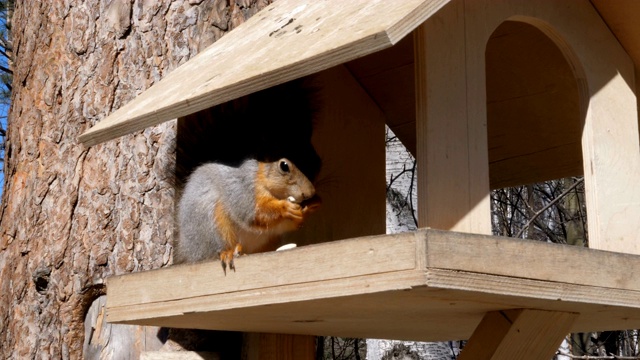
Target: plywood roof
{"x": 622, "y": 18}
{"x": 293, "y": 38}
{"x": 287, "y": 40}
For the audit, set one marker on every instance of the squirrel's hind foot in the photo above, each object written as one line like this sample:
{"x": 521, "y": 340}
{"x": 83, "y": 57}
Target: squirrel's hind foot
{"x": 227, "y": 256}
{"x": 227, "y": 263}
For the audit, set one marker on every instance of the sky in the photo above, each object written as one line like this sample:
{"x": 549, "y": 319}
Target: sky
{"x": 4, "y": 110}
{"x": 4, "y": 107}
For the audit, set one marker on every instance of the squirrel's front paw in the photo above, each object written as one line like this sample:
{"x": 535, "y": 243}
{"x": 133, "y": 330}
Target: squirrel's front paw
{"x": 293, "y": 211}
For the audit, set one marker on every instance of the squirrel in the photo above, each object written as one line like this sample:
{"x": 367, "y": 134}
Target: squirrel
{"x": 245, "y": 170}
{"x": 227, "y": 210}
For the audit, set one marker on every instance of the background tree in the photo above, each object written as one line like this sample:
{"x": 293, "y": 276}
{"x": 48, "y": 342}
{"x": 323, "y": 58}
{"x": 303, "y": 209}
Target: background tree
{"x": 71, "y": 216}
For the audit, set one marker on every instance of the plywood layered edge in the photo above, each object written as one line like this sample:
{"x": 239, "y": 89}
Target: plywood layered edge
{"x": 427, "y": 285}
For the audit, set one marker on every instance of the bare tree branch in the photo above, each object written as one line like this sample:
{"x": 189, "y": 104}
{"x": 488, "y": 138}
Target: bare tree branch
{"x": 592, "y": 357}
{"x": 535, "y": 216}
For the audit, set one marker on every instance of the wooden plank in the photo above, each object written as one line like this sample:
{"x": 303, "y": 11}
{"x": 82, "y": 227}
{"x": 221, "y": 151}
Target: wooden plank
{"x": 363, "y": 293}
{"x": 367, "y": 255}
{"x": 530, "y": 259}
{"x": 453, "y": 179}
{"x": 541, "y": 293}
{"x": 518, "y": 334}
{"x": 341, "y": 305}
{"x": 611, "y": 150}
{"x": 287, "y": 40}
{"x": 388, "y": 77}
{"x": 268, "y": 296}
{"x": 476, "y": 107}
{"x": 417, "y": 313}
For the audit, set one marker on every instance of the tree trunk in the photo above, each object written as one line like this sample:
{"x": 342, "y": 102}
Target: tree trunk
{"x": 72, "y": 216}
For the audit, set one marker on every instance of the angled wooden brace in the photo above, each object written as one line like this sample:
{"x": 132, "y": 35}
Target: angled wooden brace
{"x": 522, "y": 334}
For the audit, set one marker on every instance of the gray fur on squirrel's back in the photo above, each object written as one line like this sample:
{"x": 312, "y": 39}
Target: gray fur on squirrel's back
{"x": 198, "y": 238}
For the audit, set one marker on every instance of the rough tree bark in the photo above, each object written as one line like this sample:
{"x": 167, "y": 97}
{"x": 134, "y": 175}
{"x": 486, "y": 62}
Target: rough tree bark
{"x": 72, "y": 216}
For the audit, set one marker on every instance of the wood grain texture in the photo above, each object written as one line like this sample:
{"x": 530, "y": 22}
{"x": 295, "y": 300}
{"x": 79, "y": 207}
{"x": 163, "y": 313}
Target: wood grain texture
{"x": 375, "y": 291}
{"x": 287, "y": 40}
{"x": 453, "y": 173}
{"x": 513, "y": 258}
{"x": 518, "y": 334}
{"x": 388, "y": 77}
{"x": 287, "y": 267}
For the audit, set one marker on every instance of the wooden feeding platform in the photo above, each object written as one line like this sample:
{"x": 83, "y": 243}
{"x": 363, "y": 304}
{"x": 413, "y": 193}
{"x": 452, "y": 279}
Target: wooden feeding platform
{"x": 485, "y": 94}
{"x": 427, "y": 285}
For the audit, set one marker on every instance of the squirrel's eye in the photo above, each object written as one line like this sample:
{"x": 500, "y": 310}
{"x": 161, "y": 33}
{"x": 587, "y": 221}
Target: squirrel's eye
{"x": 284, "y": 166}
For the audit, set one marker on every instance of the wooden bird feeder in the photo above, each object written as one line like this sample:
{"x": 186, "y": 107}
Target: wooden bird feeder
{"x": 485, "y": 94}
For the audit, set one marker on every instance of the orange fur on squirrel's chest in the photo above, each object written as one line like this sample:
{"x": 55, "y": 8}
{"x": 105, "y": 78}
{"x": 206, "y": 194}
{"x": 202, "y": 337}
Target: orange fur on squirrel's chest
{"x": 252, "y": 238}
{"x": 267, "y": 226}
{"x": 270, "y": 211}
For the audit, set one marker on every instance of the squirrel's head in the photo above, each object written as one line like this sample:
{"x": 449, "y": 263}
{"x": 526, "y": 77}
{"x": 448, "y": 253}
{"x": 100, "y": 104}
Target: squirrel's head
{"x": 285, "y": 181}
